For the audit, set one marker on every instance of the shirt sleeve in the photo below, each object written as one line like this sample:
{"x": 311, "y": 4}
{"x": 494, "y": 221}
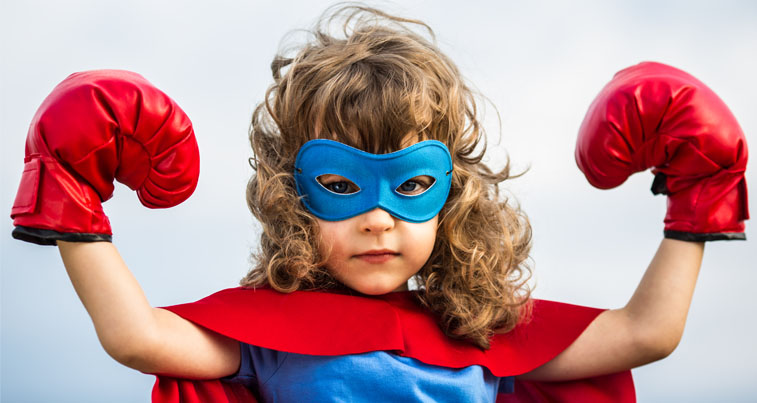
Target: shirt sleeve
{"x": 506, "y": 385}
{"x": 246, "y": 374}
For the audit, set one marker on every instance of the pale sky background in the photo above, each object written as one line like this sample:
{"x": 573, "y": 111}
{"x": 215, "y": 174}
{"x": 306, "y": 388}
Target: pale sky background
{"x": 540, "y": 63}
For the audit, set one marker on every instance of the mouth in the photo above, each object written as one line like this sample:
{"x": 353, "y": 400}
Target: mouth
{"x": 377, "y": 256}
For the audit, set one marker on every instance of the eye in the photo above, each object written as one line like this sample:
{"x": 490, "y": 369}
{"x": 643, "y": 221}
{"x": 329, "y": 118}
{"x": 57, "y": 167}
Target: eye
{"x": 337, "y": 184}
{"x": 416, "y": 185}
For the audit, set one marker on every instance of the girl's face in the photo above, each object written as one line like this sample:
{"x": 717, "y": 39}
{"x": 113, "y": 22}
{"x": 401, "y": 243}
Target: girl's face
{"x": 375, "y": 253}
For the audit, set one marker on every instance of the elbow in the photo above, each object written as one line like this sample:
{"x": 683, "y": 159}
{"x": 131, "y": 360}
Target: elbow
{"x": 656, "y": 343}
{"x": 132, "y": 358}
{"x": 134, "y": 350}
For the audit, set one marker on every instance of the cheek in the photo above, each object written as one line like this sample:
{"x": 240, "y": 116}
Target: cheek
{"x": 430, "y": 239}
{"x": 326, "y": 237}
{"x": 425, "y": 238}
{"x": 329, "y": 237}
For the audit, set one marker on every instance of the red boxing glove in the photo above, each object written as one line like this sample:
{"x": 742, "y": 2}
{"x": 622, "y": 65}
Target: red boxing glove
{"x": 97, "y": 126}
{"x": 653, "y": 115}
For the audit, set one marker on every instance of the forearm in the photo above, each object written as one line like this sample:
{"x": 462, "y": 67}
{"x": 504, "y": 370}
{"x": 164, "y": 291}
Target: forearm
{"x": 647, "y": 329}
{"x": 120, "y": 312}
{"x": 659, "y": 306}
{"x": 137, "y": 335}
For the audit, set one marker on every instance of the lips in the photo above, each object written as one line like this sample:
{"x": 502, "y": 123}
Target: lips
{"x": 377, "y": 256}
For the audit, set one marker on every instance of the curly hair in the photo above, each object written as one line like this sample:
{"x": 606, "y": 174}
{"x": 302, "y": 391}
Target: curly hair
{"x": 368, "y": 86}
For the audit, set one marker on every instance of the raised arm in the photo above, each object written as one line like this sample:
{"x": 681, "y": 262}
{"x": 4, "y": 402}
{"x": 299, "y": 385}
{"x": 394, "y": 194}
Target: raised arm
{"x": 647, "y": 329}
{"x": 95, "y": 127}
{"x": 653, "y": 115}
{"x": 148, "y": 339}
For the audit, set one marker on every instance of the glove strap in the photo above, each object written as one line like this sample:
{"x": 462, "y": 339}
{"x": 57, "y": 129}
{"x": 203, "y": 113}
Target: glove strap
{"x": 659, "y": 185}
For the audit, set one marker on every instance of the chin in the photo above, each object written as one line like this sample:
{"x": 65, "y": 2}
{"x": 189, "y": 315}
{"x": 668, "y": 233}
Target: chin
{"x": 373, "y": 290}
{"x": 376, "y": 289}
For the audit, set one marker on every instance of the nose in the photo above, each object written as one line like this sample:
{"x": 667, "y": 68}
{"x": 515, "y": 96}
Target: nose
{"x": 376, "y": 221}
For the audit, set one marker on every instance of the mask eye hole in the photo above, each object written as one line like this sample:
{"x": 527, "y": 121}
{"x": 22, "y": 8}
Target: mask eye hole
{"x": 337, "y": 184}
{"x": 416, "y": 185}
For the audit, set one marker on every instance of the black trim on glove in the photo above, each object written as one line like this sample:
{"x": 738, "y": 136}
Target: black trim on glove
{"x": 49, "y": 237}
{"x": 692, "y": 237}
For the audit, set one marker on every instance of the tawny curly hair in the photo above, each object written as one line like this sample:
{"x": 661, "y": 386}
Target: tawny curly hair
{"x": 369, "y": 86}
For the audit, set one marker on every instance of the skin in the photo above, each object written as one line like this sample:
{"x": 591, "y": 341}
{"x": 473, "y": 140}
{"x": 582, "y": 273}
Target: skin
{"x": 375, "y": 253}
{"x": 346, "y": 243}
{"x": 154, "y": 340}
{"x": 647, "y": 329}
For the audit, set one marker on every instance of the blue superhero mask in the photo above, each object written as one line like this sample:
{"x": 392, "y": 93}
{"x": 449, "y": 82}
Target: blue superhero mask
{"x": 378, "y": 178}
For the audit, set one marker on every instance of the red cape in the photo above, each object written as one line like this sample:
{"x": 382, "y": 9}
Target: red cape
{"x": 321, "y": 323}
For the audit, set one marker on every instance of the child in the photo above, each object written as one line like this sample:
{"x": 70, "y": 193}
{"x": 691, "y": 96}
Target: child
{"x": 368, "y": 174}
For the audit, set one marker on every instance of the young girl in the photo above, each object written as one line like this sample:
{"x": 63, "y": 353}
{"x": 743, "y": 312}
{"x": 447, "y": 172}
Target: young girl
{"x": 368, "y": 174}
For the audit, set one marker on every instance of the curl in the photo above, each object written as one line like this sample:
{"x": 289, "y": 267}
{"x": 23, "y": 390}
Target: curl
{"x": 377, "y": 82}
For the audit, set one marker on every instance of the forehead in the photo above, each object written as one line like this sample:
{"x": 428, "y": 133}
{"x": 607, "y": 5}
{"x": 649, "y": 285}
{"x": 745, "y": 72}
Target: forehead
{"x": 374, "y": 144}
{"x": 323, "y": 156}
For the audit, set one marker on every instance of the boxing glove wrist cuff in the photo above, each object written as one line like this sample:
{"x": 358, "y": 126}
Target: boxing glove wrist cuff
{"x": 693, "y": 237}
{"x": 49, "y": 237}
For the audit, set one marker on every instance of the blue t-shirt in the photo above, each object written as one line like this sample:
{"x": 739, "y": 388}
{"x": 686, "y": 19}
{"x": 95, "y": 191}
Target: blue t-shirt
{"x": 277, "y": 376}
